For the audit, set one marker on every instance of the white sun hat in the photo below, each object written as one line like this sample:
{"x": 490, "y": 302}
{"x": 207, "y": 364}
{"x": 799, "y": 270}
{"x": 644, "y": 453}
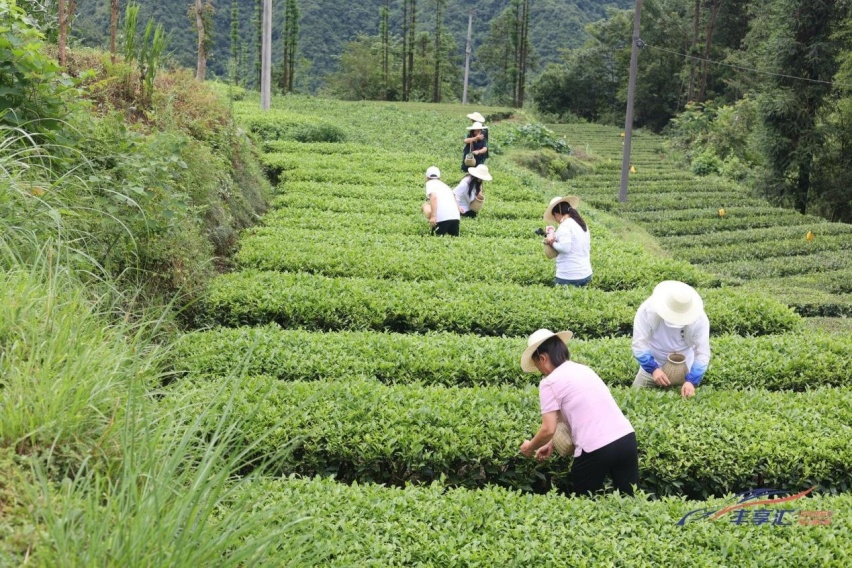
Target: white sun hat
{"x": 432, "y": 172}
{"x": 475, "y": 126}
{"x": 481, "y": 172}
{"x": 571, "y": 200}
{"x": 476, "y": 117}
{"x": 534, "y": 342}
{"x": 677, "y": 303}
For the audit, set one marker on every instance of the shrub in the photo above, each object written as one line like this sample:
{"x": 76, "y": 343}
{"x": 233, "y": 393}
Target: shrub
{"x": 706, "y": 163}
{"x": 535, "y": 135}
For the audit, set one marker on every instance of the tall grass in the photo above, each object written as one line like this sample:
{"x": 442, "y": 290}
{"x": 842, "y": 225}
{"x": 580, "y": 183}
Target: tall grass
{"x": 93, "y": 471}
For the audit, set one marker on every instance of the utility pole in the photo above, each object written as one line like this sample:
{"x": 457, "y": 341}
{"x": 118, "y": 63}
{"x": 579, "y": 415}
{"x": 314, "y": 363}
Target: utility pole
{"x": 266, "y": 57}
{"x": 631, "y": 91}
{"x": 467, "y": 56}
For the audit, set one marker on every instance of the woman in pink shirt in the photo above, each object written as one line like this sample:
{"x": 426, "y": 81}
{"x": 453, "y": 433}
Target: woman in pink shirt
{"x": 573, "y": 393}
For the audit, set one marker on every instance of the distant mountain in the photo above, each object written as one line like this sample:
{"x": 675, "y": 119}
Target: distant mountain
{"x": 326, "y": 26}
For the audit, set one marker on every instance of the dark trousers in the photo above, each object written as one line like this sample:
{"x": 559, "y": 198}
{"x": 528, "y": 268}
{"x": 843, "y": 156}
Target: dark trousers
{"x": 618, "y": 459}
{"x": 450, "y": 227}
{"x": 469, "y": 213}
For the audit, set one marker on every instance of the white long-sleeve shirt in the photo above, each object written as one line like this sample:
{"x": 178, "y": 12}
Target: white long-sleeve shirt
{"x": 574, "y": 246}
{"x": 654, "y": 341}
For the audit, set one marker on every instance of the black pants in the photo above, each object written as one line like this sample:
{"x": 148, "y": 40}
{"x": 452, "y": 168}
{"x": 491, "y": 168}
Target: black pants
{"x": 450, "y": 227}
{"x": 618, "y": 459}
{"x": 469, "y": 213}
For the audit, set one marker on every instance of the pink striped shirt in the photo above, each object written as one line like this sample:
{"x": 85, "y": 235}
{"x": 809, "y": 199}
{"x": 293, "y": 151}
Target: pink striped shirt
{"x": 586, "y": 404}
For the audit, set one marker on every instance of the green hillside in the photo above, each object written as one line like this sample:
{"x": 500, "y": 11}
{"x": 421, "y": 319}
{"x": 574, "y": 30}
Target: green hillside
{"x": 326, "y": 25}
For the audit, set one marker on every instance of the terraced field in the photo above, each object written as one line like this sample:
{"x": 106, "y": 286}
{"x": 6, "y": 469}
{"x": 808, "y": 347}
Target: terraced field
{"x": 753, "y": 245}
{"x": 391, "y": 357}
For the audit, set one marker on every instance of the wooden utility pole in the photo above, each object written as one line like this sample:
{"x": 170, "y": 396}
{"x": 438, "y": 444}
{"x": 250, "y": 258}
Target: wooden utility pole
{"x": 631, "y": 91}
{"x": 467, "y": 56}
{"x": 266, "y": 57}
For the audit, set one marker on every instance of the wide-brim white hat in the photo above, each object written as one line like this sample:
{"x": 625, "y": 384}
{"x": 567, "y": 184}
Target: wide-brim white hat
{"x": 677, "y": 303}
{"x": 571, "y": 200}
{"x": 475, "y": 126}
{"x": 476, "y": 117}
{"x": 481, "y": 172}
{"x": 534, "y": 342}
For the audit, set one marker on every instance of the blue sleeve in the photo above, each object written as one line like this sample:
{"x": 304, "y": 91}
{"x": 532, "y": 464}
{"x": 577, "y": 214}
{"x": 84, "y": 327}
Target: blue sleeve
{"x": 696, "y": 373}
{"x": 647, "y": 362}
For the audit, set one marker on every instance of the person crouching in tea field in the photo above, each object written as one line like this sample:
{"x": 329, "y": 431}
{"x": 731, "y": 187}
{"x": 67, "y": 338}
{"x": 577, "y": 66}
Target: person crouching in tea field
{"x": 671, "y": 336}
{"x": 469, "y": 190}
{"x": 444, "y": 212}
{"x": 571, "y": 240}
{"x": 604, "y": 440}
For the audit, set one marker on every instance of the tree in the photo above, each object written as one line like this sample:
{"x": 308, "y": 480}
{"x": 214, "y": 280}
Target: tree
{"x": 235, "y": 41}
{"x": 799, "y": 52}
{"x": 409, "y": 30}
{"x": 203, "y": 15}
{"x": 506, "y": 53}
{"x": 384, "y": 31}
{"x": 63, "y": 31}
{"x": 291, "y": 42}
{"x": 439, "y": 24}
{"x": 113, "y": 27}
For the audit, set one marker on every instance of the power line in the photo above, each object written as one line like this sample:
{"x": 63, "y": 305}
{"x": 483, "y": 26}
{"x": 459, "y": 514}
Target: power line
{"x": 752, "y": 69}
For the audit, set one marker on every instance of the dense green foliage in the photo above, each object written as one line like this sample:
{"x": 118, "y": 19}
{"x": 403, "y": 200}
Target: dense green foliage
{"x": 414, "y": 526}
{"x": 31, "y": 84}
{"x": 319, "y": 302}
{"x": 326, "y": 26}
{"x": 358, "y": 429}
{"x": 787, "y": 361}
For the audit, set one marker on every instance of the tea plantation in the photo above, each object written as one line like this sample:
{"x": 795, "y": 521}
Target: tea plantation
{"x": 389, "y": 358}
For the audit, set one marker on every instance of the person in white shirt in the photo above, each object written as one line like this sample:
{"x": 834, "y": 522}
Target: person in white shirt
{"x": 470, "y": 187}
{"x": 672, "y": 320}
{"x": 571, "y": 240}
{"x": 445, "y": 214}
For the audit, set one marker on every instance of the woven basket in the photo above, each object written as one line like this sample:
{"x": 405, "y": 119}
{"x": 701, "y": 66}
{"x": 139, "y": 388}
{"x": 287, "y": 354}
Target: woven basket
{"x": 675, "y": 369}
{"x": 476, "y": 204}
{"x": 563, "y": 443}
{"x": 549, "y": 251}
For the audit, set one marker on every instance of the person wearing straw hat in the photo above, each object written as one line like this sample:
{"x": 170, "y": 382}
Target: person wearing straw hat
{"x": 671, "y": 320}
{"x": 469, "y": 189}
{"x": 571, "y": 241}
{"x": 477, "y": 117}
{"x": 444, "y": 212}
{"x": 604, "y": 440}
{"x": 475, "y": 143}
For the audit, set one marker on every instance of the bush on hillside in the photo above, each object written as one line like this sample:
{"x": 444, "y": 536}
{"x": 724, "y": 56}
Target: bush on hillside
{"x": 552, "y": 165}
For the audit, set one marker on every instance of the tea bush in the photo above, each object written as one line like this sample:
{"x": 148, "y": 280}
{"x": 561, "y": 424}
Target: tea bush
{"x": 360, "y": 430}
{"x": 774, "y": 362}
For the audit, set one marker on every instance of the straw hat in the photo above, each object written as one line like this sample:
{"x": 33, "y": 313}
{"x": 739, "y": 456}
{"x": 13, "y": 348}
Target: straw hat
{"x": 476, "y": 117}
{"x": 432, "y": 172}
{"x": 481, "y": 172}
{"x": 677, "y": 303}
{"x": 571, "y": 200}
{"x": 475, "y": 126}
{"x": 534, "y": 342}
